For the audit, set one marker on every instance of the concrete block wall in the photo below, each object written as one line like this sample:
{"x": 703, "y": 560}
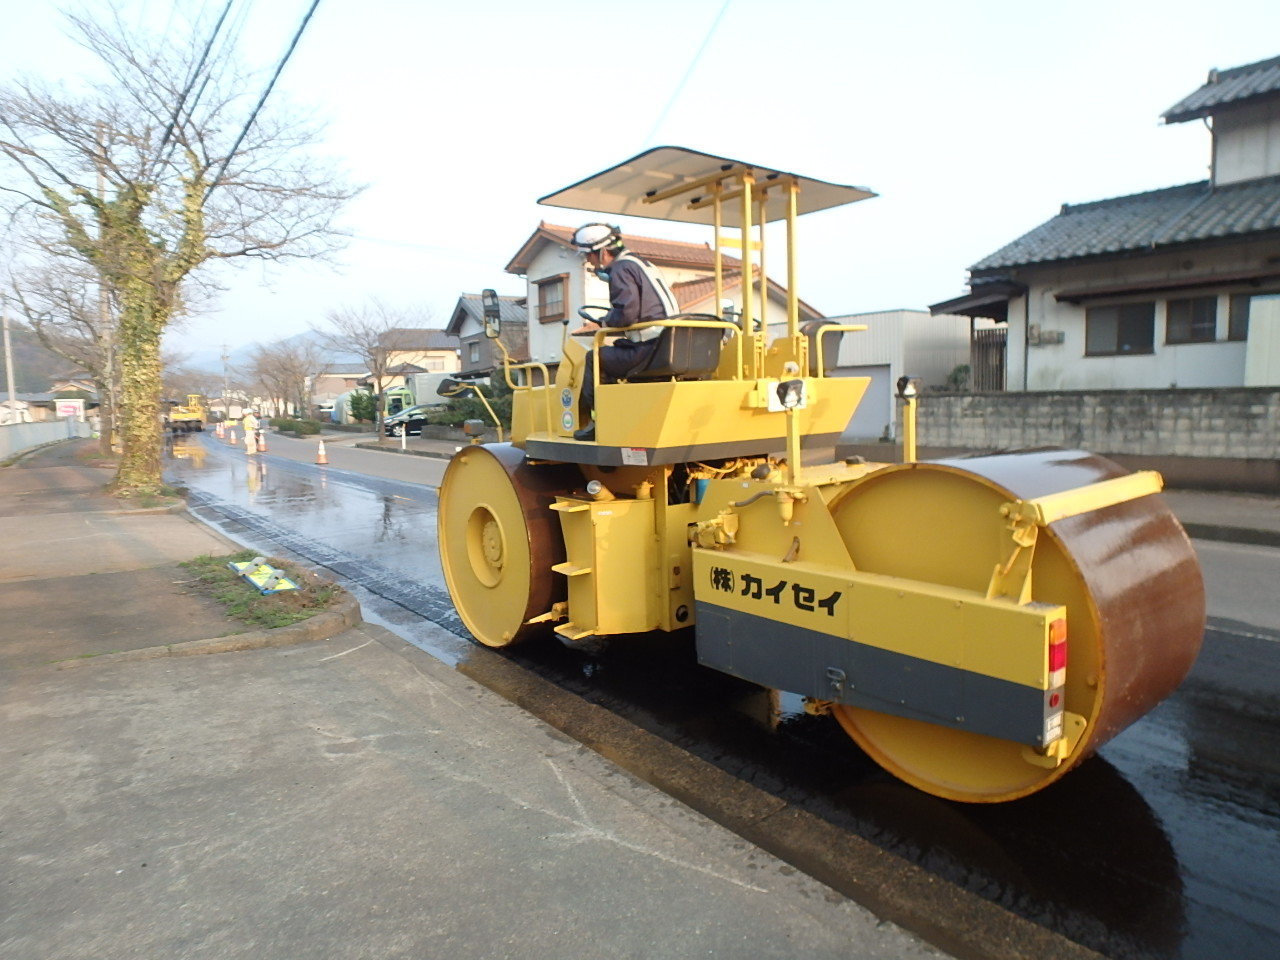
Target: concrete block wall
{"x": 1223, "y": 438}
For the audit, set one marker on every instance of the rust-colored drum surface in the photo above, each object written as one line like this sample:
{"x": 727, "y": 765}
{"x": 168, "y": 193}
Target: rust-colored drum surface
{"x": 499, "y": 539}
{"x": 1126, "y": 573}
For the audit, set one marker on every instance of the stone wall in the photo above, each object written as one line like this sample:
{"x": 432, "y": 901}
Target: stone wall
{"x": 1223, "y": 438}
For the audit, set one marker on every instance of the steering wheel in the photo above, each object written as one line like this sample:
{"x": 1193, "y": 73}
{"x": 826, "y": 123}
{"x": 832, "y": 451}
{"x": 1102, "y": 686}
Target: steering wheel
{"x": 585, "y": 315}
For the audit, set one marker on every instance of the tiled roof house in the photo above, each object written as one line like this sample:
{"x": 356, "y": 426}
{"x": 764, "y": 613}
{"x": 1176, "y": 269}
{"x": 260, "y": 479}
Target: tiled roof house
{"x": 479, "y": 355}
{"x": 1171, "y": 287}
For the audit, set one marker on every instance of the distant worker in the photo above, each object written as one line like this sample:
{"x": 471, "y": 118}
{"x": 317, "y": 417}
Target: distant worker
{"x": 636, "y": 293}
{"x": 250, "y": 423}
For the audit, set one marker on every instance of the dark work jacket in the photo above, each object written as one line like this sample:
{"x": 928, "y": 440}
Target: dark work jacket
{"x": 632, "y": 296}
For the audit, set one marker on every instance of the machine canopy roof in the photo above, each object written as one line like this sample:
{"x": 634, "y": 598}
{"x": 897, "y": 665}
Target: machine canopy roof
{"x": 629, "y": 188}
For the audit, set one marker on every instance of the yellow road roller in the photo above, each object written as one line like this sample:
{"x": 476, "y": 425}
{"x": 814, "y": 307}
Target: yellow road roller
{"x": 979, "y": 626}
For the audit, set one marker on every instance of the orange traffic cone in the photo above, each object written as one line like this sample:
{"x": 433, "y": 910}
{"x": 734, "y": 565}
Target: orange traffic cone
{"x": 220, "y": 430}
{"x": 320, "y": 454}
{"x": 231, "y": 436}
{"x": 262, "y": 442}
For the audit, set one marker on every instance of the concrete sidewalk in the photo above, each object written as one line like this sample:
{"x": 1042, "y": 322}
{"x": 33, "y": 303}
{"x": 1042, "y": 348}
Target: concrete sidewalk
{"x": 1229, "y": 517}
{"x": 339, "y": 797}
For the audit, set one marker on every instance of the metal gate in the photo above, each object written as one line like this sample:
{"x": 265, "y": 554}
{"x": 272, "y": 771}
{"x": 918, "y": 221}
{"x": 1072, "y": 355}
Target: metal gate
{"x": 986, "y": 356}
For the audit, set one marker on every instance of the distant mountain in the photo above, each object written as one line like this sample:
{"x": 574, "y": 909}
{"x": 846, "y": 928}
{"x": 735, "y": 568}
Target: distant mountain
{"x": 238, "y": 357}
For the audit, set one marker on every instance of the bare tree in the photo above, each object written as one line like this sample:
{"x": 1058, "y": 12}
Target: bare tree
{"x": 363, "y": 331}
{"x": 150, "y": 175}
{"x": 74, "y": 317}
{"x": 287, "y": 370}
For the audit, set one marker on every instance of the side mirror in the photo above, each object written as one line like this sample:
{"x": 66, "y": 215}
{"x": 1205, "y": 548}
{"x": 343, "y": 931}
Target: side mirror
{"x": 492, "y": 313}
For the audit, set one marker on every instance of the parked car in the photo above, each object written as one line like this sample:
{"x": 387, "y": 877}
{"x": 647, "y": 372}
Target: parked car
{"x": 409, "y": 420}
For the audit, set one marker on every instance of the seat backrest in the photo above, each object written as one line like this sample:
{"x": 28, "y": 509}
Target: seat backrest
{"x": 830, "y": 346}
{"x": 685, "y": 353}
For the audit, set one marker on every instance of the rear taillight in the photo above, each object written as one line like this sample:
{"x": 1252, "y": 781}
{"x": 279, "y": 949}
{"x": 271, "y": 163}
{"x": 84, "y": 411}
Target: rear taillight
{"x": 1057, "y": 653}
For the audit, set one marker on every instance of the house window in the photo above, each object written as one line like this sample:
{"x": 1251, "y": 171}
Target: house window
{"x": 551, "y": 298}
{"x": 473, "y": 352}
{"x": 1238, "y": 317}
{"x": 1122, "y": 328}
{"x": 1191, "y": 320}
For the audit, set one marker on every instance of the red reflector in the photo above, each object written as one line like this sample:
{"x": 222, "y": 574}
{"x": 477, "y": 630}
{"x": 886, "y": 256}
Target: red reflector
{"x": 1054, "y": 700}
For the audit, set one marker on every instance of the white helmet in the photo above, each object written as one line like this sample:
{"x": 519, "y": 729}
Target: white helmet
{"x": 596, "y": 236}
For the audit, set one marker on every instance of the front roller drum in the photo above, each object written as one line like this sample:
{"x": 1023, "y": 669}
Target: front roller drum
{"x": 1126, "y": 573}
{"x": 499, "y": 539}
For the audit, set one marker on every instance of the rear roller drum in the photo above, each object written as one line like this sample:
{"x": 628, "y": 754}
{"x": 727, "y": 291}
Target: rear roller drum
{"x": 1126, "y": 573}
{"x": 499, "y": 539}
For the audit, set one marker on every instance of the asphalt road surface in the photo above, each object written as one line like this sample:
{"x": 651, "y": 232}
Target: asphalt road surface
{"x": 1166, "y": 845}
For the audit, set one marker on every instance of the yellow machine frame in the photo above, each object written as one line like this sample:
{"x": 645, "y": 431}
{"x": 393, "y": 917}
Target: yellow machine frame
{"x": 694, "y": 507}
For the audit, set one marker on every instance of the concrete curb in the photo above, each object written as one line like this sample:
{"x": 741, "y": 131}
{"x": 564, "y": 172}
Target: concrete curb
{"x": 374, "y": 445}
{"x": 332, "y": 621}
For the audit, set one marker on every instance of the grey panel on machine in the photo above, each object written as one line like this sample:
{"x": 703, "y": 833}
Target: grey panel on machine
{"x": 597, "y": 454}
{"x": 818, "y": 665}
{"x": 875, "y": 414}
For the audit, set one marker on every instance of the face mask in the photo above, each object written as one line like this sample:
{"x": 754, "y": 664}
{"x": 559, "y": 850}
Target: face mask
{"x": 602, "y": 273}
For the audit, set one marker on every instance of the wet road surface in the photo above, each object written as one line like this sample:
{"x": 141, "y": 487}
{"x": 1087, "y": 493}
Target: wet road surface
{"x": 1165, "y": 845}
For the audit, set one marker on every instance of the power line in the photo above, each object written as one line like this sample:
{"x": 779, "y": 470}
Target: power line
{"x": 693, "y": 64}
{"x": 191, "y": 80}
{"x": 263, "y": 99}
{"x": 230, "y": 36}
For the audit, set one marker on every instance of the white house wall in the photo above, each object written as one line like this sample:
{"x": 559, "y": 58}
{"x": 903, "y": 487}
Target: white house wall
{"x": 1064, "y": 366}
{"x": 545, "y": 338}
{"x": 1246, "y": 143}
{"x": 1263, "y": 368}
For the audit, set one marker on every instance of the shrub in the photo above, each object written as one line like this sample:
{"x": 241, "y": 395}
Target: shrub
{"x": 301, "y": 427}
{"x": 364, "y": 406}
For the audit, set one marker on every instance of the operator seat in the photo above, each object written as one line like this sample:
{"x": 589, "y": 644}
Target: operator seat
{"x": 682, "y": 353}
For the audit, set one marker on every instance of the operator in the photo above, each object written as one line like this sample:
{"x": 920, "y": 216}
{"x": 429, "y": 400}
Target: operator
{"x": 636, "y": 293}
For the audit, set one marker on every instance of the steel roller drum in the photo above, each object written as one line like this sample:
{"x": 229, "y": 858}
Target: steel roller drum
{"x": 499, "y": 539}
{"x": 1126, "y": 573}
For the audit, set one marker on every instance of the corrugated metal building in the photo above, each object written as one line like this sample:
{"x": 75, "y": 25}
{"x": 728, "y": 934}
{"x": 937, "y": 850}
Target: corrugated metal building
{"x": 898, "y": 343}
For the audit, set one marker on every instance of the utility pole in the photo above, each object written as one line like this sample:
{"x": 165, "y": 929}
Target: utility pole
{"x": 8, "y": 357}
{"x": 110, "y": 437}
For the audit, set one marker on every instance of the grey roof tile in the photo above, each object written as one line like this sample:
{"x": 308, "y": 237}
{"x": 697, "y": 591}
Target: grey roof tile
{"x": 1146, "y": 221}
{"x": 510, "y": 309}
{"x": 1227, "y": 87}
{"x": 417, "y": 338}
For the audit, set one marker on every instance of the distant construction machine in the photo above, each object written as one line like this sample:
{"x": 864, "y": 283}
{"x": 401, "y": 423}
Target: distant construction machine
{"x": 189, "y": 417}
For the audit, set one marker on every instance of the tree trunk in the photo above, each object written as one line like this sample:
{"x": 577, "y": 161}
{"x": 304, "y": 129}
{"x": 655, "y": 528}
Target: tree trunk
{"x": 142, "y": 321}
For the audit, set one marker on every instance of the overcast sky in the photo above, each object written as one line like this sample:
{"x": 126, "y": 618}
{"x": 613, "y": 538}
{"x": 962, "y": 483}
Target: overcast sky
{"x": 974, "y": 122}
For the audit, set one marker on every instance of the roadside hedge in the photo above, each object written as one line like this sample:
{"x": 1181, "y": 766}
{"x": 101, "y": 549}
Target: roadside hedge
{"x": 303, "y": 428}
